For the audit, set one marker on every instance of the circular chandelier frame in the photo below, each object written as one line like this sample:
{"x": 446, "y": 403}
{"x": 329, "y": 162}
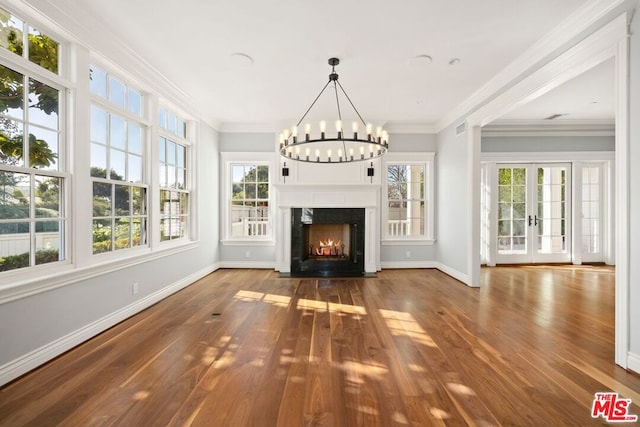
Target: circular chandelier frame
{"x": 339, "y": 147}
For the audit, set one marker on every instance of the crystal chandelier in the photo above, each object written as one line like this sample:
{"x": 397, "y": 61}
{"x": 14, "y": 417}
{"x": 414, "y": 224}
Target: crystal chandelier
{"x": 317, "y": 145}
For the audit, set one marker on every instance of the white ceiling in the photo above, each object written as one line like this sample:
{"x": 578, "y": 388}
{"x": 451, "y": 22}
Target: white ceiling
{"x": 192, "y": 43}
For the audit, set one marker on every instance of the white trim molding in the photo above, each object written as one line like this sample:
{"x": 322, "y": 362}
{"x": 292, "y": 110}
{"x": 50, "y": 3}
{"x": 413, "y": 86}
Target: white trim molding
{"x": 609, "y": 41}
{"x": 633, "y": 364}
{"x": 450, "y": 271}
{"x": 37, "y": 357}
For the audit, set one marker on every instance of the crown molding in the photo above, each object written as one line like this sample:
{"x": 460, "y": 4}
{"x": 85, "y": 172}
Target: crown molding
{"x": 552, "y": 44}
{"x": 106, "y": 47}
{"x": 506, "y": 128}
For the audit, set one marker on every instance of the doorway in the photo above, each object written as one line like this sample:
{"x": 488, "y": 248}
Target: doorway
{"x": 533, "y": 213}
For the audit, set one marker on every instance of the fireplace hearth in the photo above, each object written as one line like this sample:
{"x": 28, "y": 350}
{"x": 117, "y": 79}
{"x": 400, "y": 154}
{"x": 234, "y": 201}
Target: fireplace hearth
{"x": 327, "y": 242}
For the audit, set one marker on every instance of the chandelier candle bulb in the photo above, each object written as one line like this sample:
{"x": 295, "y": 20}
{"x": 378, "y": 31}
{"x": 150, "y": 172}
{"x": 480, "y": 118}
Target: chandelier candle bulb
{"x": 307, "y": 131}
{"x": 294, "y": 134}
{"x": 339, "y": 155}
{"x": 354, "y": 127}
{"x": 317, "y": 155}
{"x": 307, "y": 154}
{"x": 351, "y": 153}
{"x": 329, "y": 155}
{"x": 369, "y": 131}
{"x": 323, "y": 128}
{"x": 361, "y": 152}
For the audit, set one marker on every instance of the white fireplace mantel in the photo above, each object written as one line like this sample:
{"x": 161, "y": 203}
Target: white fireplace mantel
{"x": 290, "y": 196}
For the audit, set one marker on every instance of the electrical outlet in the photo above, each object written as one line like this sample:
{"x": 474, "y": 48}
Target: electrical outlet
{"x": 135, "y": 288}
{"x": 247, "y": 254}
{"x": 408, "y": 254}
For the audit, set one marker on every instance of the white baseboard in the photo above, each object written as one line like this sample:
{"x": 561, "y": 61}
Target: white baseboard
{"x": 462, "y": 277}
{"x": 247, "y": 264}
{"x": 633, "y": 362}
{"x": 408, "y": 264}
{"x": 37, "y": 357}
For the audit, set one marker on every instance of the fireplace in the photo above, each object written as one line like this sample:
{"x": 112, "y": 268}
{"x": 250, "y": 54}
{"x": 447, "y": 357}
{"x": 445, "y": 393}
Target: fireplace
{"x": 327, "y": 242}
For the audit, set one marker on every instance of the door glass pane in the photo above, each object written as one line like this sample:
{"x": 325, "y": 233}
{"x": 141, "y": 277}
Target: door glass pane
{"x": 552, "y": 209}
{"x": 512, "y": 198}
{"x": 591, "y": 222}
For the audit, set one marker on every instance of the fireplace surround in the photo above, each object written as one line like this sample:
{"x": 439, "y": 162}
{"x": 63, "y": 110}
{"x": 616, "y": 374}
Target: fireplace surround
{"x": 327, "y": 242}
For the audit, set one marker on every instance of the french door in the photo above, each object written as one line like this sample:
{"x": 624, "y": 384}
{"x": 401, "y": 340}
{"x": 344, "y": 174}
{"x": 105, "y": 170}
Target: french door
{"x": 533, "y": 213}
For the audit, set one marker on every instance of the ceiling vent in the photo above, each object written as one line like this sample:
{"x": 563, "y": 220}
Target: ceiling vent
{"x": 461, "y": 128}
{"x": 555, "y": 116}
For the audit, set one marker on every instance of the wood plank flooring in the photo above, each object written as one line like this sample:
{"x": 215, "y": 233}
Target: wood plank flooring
{"x": 409, "y": 347}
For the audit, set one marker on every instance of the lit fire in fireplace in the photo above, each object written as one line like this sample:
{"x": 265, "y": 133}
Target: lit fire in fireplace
{"x": 329, "y": 247}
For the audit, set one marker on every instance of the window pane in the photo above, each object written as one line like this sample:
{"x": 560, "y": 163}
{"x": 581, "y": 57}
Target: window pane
{"x": 250, "y": 174}
{"x": 11, "y": 33}
{"x": 101, "y": 199}
{"x": 263, "y": 173}
{"x": 12, "y": 93}
{"x": 14, "y": 195}
{"x": 116, "y": 92}
{"x": 162, "y": 149}
{"x": 48, "y": 199}
{"x": 165, "y": 202}
{"x": 18, "y": 246}
{"x": 162, "y": 175}
{"x": 171, "y": 152}
{"x": 171, "y": 123}
{"x": 135, "y": 168}
{"x": 180, "y": 178}
{"x": 138, "y": 232}
{"x": 101, "y": 235}
{"x": 184, "y": 203}
{"x": 122, "y": 200}
{"x": 171, "y": 176}
{"x": 11, "y": 142}
{"x": 43, "y": 148}
{"x": 162, "y": 118}
{"x": 135, "y": 102}
{"x": 137, "y": 201}
{"x": 263, "y": 191}
{"x": 122, "y": 238}
{"x": 134, "y": 140}
{"x": 237, "y": 173}
{"x": 98, "y": 125}
{"x": 118, "y": 169}
{"x": 180, "y": 128}
{"x": 43, "y": 104}
{"x": 48, "y": 242}
{"x": 117, "y": 132}
{"x": 43, "y": 50}
{"x": 98, "y": 81}
{"x": 98, "y": 160}
{"x": 180, "y": 150}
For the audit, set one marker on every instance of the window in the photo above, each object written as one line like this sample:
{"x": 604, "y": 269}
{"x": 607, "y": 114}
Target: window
{"x": 117, "y": 165}
{"x": 408, "y": 214}
{"x": 20, "y": 38}
{"x": 33, "y": 176}
{"x": 173, "y": 177}
{"x": 249, "y": 216}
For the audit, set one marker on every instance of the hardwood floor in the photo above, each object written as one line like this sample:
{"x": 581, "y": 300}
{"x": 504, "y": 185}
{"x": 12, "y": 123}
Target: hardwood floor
{"x": 409, "y": 347}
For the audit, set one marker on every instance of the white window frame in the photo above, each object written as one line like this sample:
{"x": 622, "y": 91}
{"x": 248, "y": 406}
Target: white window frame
{"x": 145, "y": 123}
{"x": 259, "y": 159}
{"x": 24, "y": 66}
{"x": 189, "y": 178}
{"x": 427, "y": 159}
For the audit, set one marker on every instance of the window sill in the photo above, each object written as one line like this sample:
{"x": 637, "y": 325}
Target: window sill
{"x": 408, "y": 242}
{"x": 248, "y": 242}
{"x": 35, "y": 282}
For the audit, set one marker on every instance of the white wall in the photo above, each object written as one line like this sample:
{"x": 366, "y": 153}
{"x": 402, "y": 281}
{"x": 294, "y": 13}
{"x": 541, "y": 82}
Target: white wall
{"x": 634, "y": 190}
{"x": 452, "y": 203}
{"x": 38, "y": 327}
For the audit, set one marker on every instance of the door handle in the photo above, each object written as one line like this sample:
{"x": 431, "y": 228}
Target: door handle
{"x": 533, "y": 221}
{"x": 530, "y": 220}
